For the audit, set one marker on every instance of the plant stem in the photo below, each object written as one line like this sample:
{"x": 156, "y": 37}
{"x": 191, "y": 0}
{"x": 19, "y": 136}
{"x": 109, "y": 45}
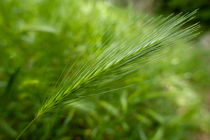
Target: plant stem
{"x": 26, "y": 128}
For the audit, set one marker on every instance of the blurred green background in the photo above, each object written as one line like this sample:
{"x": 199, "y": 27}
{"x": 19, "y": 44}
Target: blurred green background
{"x": 169, "y": 100}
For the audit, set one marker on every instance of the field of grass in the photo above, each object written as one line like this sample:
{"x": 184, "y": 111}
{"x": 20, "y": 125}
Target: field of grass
{"x": 47, "y": 48}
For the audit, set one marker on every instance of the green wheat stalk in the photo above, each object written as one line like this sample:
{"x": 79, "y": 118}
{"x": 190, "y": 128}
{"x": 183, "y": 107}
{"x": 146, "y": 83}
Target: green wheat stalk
{"x": 118, "y": 59}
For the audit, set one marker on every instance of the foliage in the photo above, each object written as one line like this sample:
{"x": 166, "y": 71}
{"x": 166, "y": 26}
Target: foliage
{"x": 39, "y": 37}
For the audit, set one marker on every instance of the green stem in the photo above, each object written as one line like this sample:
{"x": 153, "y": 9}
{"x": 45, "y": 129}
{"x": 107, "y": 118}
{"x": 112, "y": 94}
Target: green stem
{"x": 26, "y": 128}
